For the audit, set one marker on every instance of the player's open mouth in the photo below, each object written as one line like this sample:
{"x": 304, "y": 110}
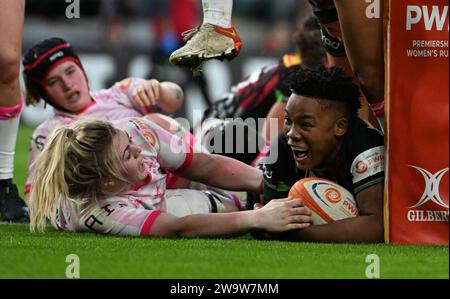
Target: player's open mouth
{"x": 72, "y": 97}
{"x": 300, "y": 154}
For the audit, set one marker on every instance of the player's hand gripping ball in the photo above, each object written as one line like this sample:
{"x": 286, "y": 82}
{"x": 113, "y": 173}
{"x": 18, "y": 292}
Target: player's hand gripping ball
{"x": 327, "y": 200}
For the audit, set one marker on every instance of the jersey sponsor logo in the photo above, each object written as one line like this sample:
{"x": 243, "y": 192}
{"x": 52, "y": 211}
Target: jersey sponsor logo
{"x": 430, "y": 194}
{"x": 150, "y": 137}
{"x": 361, "y": 167}
{"x": 147, "y": 132}
{"x": 139, "y": 124}
{"x": 368, "y": 163}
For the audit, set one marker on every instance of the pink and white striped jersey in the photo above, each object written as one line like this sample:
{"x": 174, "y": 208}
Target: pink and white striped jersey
{"x": 108, "y": 104}
{"x": 131, "y": 212}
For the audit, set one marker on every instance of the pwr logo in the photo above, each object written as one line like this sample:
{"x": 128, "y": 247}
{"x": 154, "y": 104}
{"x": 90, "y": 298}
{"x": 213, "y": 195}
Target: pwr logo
{"x": 333, "y": 195}
{"x": 361, "y": 167}
{"x": 433, "y": 17}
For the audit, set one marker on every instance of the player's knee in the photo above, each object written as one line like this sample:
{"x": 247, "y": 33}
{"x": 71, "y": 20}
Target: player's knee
{"x": 9, "y": 66}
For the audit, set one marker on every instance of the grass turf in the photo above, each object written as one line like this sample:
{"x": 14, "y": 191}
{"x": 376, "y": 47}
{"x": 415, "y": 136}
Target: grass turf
{"x": 25, "y": 255}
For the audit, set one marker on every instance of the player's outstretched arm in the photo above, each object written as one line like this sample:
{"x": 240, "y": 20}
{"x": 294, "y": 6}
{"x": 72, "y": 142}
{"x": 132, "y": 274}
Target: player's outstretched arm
{"x": 277, "y": 216}
{"x": 223, "y": 172}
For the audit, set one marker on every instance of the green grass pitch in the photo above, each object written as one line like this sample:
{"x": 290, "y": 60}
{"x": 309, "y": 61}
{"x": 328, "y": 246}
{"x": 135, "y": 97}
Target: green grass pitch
{"x": 25, "y": 255}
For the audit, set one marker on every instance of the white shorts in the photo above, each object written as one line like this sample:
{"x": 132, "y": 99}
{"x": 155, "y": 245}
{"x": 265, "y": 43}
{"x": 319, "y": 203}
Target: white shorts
{"x": 184, "y": 202}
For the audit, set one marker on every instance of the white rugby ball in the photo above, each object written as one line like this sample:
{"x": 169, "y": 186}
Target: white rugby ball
{"x": 327, "y": 200}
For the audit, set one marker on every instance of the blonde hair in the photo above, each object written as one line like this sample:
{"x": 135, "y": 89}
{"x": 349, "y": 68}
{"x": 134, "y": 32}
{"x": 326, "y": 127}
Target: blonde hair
{"x": 74, "y": 164}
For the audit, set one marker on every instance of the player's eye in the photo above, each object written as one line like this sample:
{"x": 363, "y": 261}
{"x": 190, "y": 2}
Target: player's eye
{"x": 287, "y": 121}
{"x": 52, "y": 82}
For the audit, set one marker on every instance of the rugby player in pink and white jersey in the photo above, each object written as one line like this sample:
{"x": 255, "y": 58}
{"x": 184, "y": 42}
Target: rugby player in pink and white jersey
{"x": 110, "y": 178}
{"x": 53, "y": 72}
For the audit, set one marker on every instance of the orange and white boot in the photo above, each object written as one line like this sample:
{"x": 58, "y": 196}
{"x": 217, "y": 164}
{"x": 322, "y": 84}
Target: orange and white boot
{"x": 207, "y": 42}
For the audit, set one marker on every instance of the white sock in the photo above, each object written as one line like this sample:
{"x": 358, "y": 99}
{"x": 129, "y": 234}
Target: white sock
{"x": 217, "y": 12}
{"x": 8, "y": 136}
{"x": 9, "y": 124}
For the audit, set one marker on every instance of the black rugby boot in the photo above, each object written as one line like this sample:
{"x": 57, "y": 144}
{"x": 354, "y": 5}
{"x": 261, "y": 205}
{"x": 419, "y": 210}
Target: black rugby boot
{"x": 12, "y": 207}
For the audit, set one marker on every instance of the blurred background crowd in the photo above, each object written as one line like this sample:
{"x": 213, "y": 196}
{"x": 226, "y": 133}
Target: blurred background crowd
{"x": 121, "y": 38}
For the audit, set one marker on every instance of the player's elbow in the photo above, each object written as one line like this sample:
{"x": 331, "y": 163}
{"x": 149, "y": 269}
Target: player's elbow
{"x": 174, "y": 98}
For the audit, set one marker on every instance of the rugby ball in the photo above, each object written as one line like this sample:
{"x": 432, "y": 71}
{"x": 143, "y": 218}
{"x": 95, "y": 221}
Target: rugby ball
{"x": 327, "y": 200}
